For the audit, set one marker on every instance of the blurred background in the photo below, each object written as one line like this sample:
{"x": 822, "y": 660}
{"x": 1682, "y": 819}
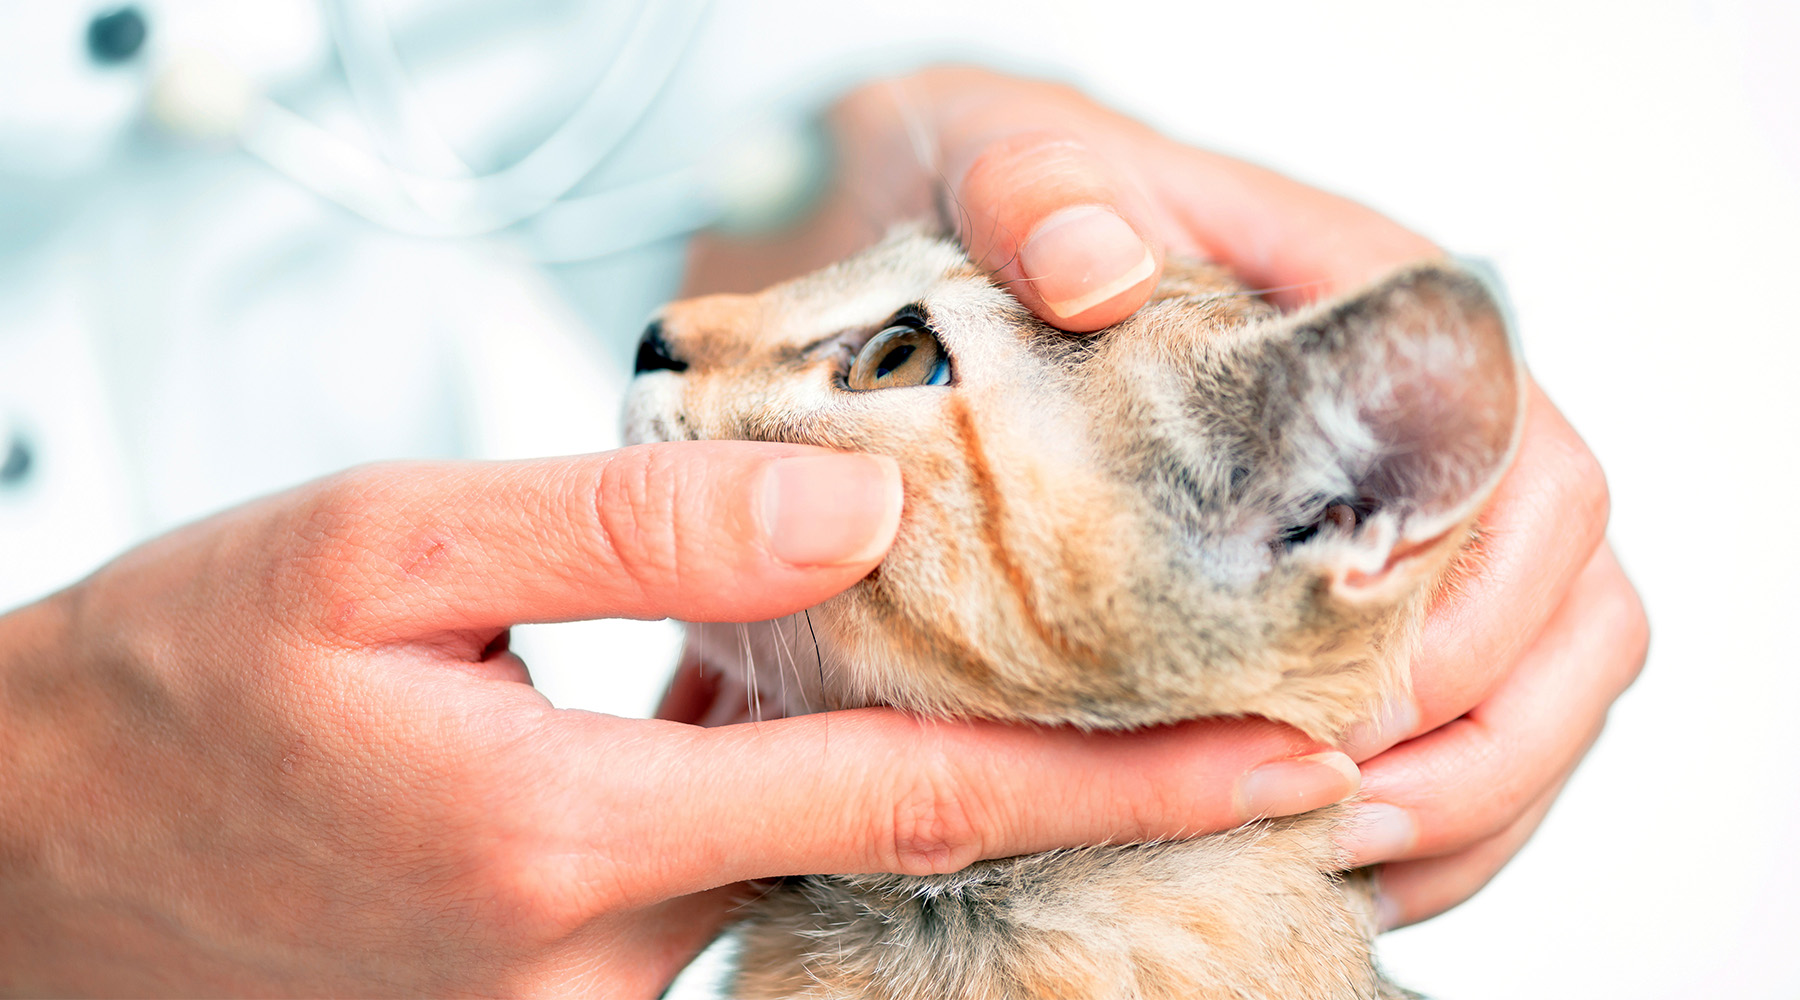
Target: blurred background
{"x": 242, "y": 245}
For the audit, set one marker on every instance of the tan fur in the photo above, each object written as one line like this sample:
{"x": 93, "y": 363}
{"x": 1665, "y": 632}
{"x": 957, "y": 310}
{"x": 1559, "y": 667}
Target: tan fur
{"x": 1109, "y": 531}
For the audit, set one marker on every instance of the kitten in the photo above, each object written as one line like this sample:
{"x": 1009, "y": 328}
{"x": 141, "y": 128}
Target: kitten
{"x": 1208, "y": 509}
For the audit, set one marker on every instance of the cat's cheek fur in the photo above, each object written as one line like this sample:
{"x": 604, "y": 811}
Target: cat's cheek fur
{"x": 1209, "y": 509}
{"x": 653, "y": 410}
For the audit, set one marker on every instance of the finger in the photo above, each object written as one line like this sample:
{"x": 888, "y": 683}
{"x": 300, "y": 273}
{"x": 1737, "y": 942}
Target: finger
{"x": 1542, "y": 526}
{"x": 1407, "y": 892}
{"x": 1054, "y": 221}
{"x": 1298, "y": 242}
{"x": 729, "y": 531}
{"x": 877, "y": 790}
{"x": 642, "y": 951}
{"x": 634, "y": 953}
{"x": 1468, "y": 781}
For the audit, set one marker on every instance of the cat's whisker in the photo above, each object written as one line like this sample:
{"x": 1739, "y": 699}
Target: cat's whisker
{"x": 752, "y": 692}
{"x": 818, "y": 651}
{"x": 788, "y": 642}
{"x": 774, "y": 625}
{"x": 963, "y": 222}
{"x": 781, "y": 674}
{"x": 919, "y": 136}
{"x": 929, "y": 155}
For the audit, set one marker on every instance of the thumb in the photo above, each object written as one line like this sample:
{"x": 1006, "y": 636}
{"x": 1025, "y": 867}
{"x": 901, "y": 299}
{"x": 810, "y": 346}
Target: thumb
{"x": 1057, "y": 224}
{"x": 705, "y": 531}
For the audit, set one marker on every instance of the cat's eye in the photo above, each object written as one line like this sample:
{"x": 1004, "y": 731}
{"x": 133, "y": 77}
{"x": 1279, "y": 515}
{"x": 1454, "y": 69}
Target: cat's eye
{"x": 898, "y": 356}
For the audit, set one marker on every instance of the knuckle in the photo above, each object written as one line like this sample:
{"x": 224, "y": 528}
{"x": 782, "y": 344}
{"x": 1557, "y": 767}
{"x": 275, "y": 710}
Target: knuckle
{"x": 508, "y": 873}
{"x": 634, "y": 518}
{"x": 334, "y": 516}
{"x": 1452, "y": 819}
{"x": 1615, "y": 626}
{"x": 934, "y": 828}
{"x": 1593, "y": 495}
{"x": 322, "y": 569}
{"x": 1027, "y": 158}
{"x": 1578, "y": 484}
{"x": 1631, "y": 627}
{"x": 538, "y": 897}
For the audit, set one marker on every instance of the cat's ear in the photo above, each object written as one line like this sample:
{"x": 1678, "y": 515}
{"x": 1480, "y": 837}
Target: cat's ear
{"x": 1407, "y": 400}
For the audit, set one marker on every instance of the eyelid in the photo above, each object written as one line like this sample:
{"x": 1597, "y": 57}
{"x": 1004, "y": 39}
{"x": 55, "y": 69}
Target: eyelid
{"x": 855, "y": 339}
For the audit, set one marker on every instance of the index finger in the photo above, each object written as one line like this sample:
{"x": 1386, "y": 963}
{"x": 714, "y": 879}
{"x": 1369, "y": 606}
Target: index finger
{"x": 1275, "y": 233}
{"x": 878, "y": 790}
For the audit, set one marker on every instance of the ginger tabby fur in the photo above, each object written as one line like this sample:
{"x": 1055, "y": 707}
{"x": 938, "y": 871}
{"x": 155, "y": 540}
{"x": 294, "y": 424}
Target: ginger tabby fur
{"x": 1209, "y": 509}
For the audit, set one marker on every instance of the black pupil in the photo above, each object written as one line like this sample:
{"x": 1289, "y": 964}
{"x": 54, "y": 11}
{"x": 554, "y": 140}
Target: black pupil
{"x": 116, "y": 36}
{"x": 894, "y": 359}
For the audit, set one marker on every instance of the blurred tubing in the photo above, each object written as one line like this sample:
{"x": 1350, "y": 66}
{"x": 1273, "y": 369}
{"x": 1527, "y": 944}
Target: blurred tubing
{"x": 418, "y": 204}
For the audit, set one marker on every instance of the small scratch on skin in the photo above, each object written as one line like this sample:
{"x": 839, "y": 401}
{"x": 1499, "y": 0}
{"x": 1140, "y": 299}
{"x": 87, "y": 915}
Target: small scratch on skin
{"x": 425, "y": 557}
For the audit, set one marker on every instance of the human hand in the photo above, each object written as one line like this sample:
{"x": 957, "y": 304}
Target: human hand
{"x": 285, "y": 750}
{"x": 1075, "y": 207}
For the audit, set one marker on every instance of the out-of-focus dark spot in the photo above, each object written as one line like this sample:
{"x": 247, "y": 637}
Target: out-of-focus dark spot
{"x": 15, "y": 467}
{"x": 116, "y": 36}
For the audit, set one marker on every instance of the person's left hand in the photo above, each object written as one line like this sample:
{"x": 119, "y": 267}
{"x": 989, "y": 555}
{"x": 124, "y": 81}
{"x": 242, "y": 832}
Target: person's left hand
{"x": 1074, "y": 208}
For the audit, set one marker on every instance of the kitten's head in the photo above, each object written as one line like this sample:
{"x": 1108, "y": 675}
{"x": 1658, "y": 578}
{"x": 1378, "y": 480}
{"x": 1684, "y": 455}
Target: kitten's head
{"x": 1207, "y": 509}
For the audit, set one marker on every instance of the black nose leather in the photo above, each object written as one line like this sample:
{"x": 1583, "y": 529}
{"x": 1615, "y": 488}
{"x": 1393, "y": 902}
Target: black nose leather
{"x": 116, "y": 36}
{"x": 653, "y": 352}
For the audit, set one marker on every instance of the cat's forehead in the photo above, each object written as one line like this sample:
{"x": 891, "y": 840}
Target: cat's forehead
{"x": 871, "y": 287}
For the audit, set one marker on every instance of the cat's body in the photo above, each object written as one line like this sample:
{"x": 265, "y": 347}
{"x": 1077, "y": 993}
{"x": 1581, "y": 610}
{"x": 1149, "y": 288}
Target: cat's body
{"x": 1207, "y": 510}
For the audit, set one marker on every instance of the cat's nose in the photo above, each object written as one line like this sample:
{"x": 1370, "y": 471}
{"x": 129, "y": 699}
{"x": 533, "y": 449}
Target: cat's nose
{"x": 653, "y": 353}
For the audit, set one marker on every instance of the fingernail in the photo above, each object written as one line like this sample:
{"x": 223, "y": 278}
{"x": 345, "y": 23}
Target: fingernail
{"x": 1297, "y": 784}
{"x": 831, "y": 510}
{"x": 1376, "y": 831}
{"x": 1394, "y": 722}
{"x": 1082, "y": 256}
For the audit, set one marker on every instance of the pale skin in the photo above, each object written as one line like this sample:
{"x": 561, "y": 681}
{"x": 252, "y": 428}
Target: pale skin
{"x": 284, "y": 751}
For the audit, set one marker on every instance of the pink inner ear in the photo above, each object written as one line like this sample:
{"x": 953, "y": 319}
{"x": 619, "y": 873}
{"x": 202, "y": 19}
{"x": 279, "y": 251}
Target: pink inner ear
{"x": 1441, "y": 391}
{"x": 1356, "y": 582}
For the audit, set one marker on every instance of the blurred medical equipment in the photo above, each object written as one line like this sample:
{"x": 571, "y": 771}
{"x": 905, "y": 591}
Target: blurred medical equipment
{"x": 414, "y": 183}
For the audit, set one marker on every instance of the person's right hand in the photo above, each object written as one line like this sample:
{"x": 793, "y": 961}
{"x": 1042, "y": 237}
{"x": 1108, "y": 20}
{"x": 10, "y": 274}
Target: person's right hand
{"x": 285, "y": 751}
